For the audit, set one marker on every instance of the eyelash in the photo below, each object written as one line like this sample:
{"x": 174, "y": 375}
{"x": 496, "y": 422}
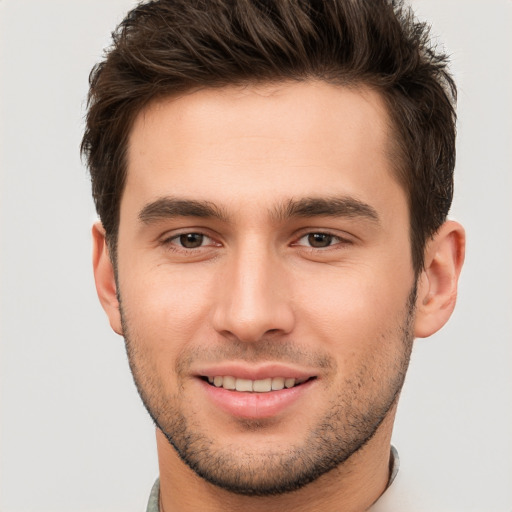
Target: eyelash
{"x": 169, "y": 242}
{"x": 335, "y": 239}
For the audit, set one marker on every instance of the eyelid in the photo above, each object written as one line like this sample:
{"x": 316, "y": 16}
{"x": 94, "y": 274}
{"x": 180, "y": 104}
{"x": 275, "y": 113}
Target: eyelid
{"x": 204, "y": 240}
{"x": 168, "y": 239}
{"x": 341, "y": 239}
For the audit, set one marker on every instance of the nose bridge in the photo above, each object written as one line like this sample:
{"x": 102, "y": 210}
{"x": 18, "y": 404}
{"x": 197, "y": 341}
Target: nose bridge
{"x": 253, "y": 300}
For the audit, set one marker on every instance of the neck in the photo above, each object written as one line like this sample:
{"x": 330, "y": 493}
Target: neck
{"x": 351, "y": 487}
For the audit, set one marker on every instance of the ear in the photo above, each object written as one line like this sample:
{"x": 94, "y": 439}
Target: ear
{"x": 437, "y": 284}
{"x": 104, "y": 277}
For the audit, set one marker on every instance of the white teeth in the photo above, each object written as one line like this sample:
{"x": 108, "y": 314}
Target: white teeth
{"x": 257, "y": 386}
{"x": 289, "y": 383}
{"x": 243, "y": 385}
{"x": 277, "y": 383}
{"x": 229, "y": 383}
{"x": 262, "y": 386}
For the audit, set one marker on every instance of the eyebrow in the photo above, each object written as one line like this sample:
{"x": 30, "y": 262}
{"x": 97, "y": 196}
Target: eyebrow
{"x": 169, "y": 207}
{"x": 345, "y": 206}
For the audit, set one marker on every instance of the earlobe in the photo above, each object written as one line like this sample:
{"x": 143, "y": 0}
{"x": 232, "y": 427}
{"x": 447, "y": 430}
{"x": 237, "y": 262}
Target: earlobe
{"x": 437, "y": 283}
{"x": 105, "y": 278}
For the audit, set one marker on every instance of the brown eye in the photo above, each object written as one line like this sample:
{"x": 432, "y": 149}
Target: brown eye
{"x": 191, "y": 240}
{"x": 319, "y": 240}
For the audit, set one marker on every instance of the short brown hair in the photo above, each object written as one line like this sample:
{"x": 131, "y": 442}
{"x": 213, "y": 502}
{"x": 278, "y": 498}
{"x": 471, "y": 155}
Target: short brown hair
{"x": 164, "y": 47}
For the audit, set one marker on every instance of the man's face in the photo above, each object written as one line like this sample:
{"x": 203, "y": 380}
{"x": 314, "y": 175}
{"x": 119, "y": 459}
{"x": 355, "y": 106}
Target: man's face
{"x": 264, "y": 243}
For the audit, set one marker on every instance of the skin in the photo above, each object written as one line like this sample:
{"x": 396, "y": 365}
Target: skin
{"x": 254, "y": 292}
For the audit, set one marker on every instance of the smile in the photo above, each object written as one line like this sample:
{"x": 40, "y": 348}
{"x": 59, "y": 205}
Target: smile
{"x": 254, "y": 386}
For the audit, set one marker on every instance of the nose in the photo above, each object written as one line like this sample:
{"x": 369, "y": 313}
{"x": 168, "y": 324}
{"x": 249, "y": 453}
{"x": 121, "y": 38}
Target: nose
{"x": 253, "y": 301}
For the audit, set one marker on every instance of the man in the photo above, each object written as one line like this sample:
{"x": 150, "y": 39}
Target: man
{"x": 273, "y": 180}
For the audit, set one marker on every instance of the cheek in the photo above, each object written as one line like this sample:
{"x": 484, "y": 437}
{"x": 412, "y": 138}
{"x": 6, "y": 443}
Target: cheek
{"x": 163, "y": 310}
{"x": 355, "y": 315}
{"x": 348, "y": 297}
{"x": 165, "y": 295}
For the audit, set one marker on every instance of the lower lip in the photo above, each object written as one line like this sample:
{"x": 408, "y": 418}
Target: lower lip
{"x": 255, "y": 405}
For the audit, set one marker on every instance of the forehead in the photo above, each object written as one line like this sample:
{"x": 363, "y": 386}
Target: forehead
{"x": 259, "y": 142}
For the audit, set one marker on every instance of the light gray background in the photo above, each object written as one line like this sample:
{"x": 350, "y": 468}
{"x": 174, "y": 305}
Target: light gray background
{"x": 73, "y": 433}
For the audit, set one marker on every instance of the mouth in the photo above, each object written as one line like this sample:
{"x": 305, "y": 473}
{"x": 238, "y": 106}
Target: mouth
{"x": 267, "y": 385}
{"x": 268, "y": 391}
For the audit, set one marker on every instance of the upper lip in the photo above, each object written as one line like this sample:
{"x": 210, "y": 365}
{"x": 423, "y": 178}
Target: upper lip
{"x": 254, "y": 372}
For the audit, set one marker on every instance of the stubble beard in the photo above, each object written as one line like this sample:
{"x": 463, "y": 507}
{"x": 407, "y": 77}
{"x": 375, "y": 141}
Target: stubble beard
{"x": 351, "y": 421}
